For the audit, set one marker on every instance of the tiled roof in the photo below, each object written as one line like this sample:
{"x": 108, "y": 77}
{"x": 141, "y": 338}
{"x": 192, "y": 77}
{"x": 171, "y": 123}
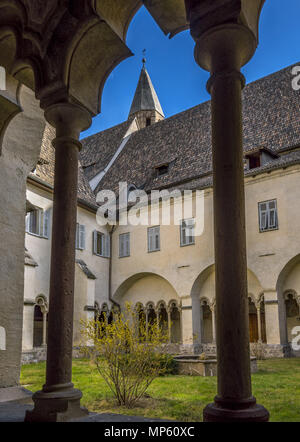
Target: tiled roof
{"x": 85, "y": 269}
{"x": 271, "y": 120}
{"x": 29, "y": 261}
{"x": 45, "y": 169}
{"x": 98, "y": 149}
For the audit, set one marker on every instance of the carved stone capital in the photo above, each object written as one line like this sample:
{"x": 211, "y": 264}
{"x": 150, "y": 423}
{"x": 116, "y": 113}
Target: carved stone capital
{"x": 225, "y": 31}
{"x": 69, "y": 120}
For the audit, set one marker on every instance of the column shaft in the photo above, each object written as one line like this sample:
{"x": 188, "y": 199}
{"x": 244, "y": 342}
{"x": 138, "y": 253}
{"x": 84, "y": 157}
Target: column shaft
{"x": 44, "y": 329}
{"x": 60, "y": 334}
{"x": 58, "y": 400}
{"x": 213, "y": 317}
{"x": 259, "y": 325}
{"x": 169, "y": 325}
{"x": 233, "y": 351}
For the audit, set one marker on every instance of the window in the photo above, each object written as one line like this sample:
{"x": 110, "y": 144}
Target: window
{"x": 101, "y": 244}
{"x": 80, "y": 237}
{"x": 124, "y": 245}
{"x": 162, "y": 170}
{"x": 148, "y": 121}
{"x": 268, "y": 219}
{"x": 153, "y": 239}
{"x": 38, "y": 223}
{"x": 187, "y": 232}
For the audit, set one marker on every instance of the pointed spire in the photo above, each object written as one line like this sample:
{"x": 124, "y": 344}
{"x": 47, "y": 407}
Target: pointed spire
{"x": 145, "y": 98}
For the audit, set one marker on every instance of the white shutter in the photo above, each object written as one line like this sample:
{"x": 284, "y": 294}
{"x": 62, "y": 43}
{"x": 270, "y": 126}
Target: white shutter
{"x": 127, "y": 246}
{"x": 81, "y": 237}
{"x": 183, "y": 233}
{"x": 150, "y": 240}
{"x": 190, "y": 231}
{"x": 263, "y": 218}
{"x": 95, "y": 242}
{"x": 46, "y": 223}
{"x": 107, "y": 246}
{"x": 27, "y": 220}
{"x": 153, "y": 239}
{"x": 121, "y": 246}
{"x": 272, "y": 215}
{"x": 157, "y": 238}
{"x": 77, "y": 237}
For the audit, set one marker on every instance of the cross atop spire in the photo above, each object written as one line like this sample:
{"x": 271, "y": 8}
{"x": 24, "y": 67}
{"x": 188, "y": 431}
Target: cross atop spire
{"x": 144, "y": 58}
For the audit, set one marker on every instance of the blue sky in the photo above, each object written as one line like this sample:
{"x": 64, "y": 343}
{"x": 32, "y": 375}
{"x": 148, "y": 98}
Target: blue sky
{"x": 179, "y": 82}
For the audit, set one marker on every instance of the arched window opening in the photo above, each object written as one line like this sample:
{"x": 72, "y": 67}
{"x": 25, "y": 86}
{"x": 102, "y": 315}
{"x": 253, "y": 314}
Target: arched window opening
{"x": 175, "y": 337}
{"x": 38, "y": 327}
{"x": 163, "y": 318}
{"x": 263, "y": 321}
{"x": 151, "y": 318}
{"x": 292, "y": 310}
{"x": 253, "y": 322}
{"x": 141, "y": 320}
{"x": 40, "y": 322}
{"x": 207, "y": 326}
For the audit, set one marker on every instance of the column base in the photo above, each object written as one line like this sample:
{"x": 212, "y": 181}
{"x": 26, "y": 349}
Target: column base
{"x": 59, "y": 405}
{"x": 235, "y": 411}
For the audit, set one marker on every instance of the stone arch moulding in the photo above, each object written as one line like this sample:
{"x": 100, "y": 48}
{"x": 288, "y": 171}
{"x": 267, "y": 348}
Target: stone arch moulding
{"x": 209, "y": 270}
{"x": 287, "y": 268}
{"x": 200, "y": 280}
{"x": 128, "y": 282}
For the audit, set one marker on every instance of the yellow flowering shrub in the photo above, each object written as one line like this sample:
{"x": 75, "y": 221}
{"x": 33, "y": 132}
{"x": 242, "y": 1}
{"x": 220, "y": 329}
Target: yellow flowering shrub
{"x": 127, "y": 352}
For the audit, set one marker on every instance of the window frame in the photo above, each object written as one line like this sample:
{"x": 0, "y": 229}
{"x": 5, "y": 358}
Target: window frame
{"x": 105, "y": 244}
{"x": 43, "y": 215}
{"x": 268, "y": 229}
{"x": 159, "y": 247}
{"x": 78, "y": 245}
{"x": 124, "y": 235}
{"x": 180, "y": 232}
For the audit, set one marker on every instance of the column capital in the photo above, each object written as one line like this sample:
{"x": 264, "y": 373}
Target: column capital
{"x": 226, "y": 47}
{"x": 68, "y": 119}
{"x": 205, "y": 14}
{"x": 224, "y": 28}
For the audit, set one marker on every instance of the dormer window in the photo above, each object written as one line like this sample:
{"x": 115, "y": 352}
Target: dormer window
{"x": 162, "y": 170}
{"x": 258, "y": 157}
{"x": 253, "y": 161}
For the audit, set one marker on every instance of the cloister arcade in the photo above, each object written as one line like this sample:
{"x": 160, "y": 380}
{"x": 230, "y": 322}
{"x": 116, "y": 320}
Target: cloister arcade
{"x": 64, "y": 52}
{"x": 168, "y": 316}
{"x": 40, "y": 325}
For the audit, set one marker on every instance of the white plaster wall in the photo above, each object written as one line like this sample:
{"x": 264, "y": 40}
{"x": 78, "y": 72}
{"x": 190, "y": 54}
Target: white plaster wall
{"x": 97, "y": 264}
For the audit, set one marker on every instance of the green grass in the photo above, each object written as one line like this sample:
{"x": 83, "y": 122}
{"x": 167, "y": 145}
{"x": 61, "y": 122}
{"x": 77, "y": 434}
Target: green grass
{"x": 276, "y": 386}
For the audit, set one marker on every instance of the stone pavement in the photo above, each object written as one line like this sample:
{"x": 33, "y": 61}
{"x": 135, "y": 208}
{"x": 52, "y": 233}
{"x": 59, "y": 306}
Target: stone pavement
{"x": 14, "y": 411}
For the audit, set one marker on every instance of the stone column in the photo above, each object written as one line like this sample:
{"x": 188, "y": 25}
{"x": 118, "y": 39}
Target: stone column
{"x": 259, "y": 322}
{"x": 44, "y": 328}
{"x": 169, "y": 323}
{"x": 58, "y": 400}
{"x": 272, "y": 317}
{"x": 187, "y": 324}
{"x": 224, "y": 43}
{"x": 28, "y": 320}
{"x": 146, "y": 314}
{"x": 213, "y": 317}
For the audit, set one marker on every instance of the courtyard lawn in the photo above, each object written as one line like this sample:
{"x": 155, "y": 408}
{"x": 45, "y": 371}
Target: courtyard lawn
{"x": 182, "y": 398}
